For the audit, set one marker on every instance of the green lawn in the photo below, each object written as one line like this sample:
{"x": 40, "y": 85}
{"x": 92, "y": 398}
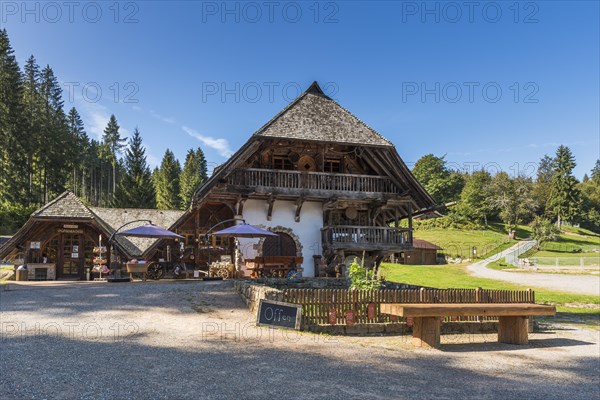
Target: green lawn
{"x": 583, "y": 308}
{"x": 459, "y": 243}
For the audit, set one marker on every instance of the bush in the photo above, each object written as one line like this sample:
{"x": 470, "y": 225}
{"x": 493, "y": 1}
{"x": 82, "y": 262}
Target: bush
{"x": 362, "y": 278}
{"x": 12, "y": 217}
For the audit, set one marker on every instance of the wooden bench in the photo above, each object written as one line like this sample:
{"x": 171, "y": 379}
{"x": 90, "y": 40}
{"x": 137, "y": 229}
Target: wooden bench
{"x": 427, "y": 319}
{"x": 274, "y": 266}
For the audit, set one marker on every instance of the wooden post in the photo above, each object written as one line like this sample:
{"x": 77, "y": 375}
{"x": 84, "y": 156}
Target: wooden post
{"x": 422, "y": 295}
{"x": 426, "y": 331}
{"x": 531, "y": 319}
{"x": 513, "y": 330}
{"x": 410, "y": 225}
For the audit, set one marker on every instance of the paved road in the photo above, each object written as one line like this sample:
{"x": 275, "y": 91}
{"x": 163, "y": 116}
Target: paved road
{"x": 582, "y": 284}
{"x": 197, "y": 340}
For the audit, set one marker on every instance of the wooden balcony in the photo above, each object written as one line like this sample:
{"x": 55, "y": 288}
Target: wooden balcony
{"x": 366, "y": 238}
{"x": 315, "y": 182}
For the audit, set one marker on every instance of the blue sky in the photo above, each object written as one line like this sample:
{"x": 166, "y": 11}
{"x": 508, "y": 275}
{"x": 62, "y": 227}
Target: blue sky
{"x": 495, "y": 85}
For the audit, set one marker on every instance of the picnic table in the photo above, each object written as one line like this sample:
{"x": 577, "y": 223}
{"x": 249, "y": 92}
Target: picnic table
{"x": 427, "y": 318}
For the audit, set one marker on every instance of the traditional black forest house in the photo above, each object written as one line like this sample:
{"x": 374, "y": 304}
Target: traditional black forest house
{"x": 329, "y": 185}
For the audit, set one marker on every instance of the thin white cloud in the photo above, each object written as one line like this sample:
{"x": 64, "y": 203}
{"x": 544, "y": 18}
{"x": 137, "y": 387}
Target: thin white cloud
{"x": 95, "y": 118}
{"x": 156, "y": 115}
{"x": 153, "y": 161}
{"x": 219, "y": 144}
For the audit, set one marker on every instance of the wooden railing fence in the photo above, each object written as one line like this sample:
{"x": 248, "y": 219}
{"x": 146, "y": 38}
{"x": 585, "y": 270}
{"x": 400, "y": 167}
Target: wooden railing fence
{"x": 319, "y": 306}
{"x": 312, "y": 180}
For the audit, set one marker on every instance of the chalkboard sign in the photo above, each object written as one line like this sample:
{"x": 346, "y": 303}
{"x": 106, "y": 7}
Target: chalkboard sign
{"x": 279, "y": 315}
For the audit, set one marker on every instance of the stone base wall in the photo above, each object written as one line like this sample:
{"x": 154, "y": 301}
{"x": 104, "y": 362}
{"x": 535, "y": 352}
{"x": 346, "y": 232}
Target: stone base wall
{"x": 50, "y": 271}
{"x": 252, "y": 293}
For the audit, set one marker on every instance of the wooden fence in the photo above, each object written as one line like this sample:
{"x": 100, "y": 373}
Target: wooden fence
{"x": 322, "y": 306}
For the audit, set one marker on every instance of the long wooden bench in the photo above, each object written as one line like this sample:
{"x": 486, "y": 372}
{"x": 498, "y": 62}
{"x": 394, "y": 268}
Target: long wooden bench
{"x": 274, "y": 266}
{"x": 427, "y": 318}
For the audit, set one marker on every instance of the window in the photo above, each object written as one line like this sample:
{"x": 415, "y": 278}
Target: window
{"x": 281, "y": 162}
{"x": 332, "y": 165}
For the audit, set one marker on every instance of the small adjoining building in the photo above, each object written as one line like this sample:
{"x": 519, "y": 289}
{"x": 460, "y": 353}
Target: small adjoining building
{"x": 331, "y": 187}
{"x": 58, "y": 240}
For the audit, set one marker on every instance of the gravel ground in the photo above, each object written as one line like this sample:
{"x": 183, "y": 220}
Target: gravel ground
{"x": 179, "y": 340}
{"x": 582, "y": 284}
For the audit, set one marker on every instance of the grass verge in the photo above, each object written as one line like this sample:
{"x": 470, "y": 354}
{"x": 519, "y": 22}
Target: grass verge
{"x": 570, "y": 306}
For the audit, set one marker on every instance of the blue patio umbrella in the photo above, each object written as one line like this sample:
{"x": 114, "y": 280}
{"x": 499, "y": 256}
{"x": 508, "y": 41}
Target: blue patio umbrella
{"x": 150, "y": 231}
{"x": 244, "y": 230}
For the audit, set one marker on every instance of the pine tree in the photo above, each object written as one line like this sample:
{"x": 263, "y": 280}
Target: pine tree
{"x": 78, "y": 149}
{"x": 202, "y": 165}
{"x": 12, "y": 153}
{"x": 32, "y": 140}
{"x": 112, "y": 147}
{"x": 193, "y": 175}
{"x": 596, "y": 173}
{"x": 565, "y": 198}
{"x": 53, "y": 170}
{"x": 542, "y": 185}
{"x": 167, "y": 183}
{"x": 590, "y": 200}
{"x": 135, "y": 189}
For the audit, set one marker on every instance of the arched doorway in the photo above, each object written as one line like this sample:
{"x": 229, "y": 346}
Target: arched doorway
{"x": 280, "y": 245}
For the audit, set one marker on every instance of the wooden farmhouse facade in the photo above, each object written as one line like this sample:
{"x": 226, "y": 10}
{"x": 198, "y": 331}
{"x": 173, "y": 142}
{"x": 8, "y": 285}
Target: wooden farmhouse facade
{"x": 329, "y": 185}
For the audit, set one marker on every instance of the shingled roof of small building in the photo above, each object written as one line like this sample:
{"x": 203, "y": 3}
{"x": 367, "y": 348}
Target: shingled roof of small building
{"x": 65, "y": 205}
{"x": 113, "y": 218}
{"x": 314, "y": 116}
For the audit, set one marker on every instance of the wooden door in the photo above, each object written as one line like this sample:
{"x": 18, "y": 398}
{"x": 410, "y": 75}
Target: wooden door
{"x": 71, "y": 256}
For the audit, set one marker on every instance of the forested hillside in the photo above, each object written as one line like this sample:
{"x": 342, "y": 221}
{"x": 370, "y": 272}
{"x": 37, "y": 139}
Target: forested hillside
{"x": 45, "y": 150}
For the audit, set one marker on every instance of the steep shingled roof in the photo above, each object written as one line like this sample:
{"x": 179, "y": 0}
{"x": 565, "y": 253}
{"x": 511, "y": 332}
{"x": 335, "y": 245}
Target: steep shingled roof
{"x": 65, "y": 205}
{"x": 316, "y": 117}
{"x": 297, "y": 122}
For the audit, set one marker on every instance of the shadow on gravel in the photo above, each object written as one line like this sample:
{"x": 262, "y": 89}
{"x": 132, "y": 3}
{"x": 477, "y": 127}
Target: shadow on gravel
{"x": 77, "y": 299}
{"x": 489, "y": 346}
{"x": 63, "y": 368}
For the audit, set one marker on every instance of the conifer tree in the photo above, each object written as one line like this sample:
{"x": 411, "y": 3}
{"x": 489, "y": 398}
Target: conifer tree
{"x": 113, "y": 145}
{"x": 135, "y": 189}
{"x": 167, "y": 183}
{"x": 12, "y": 153}
{"x": 79, "y": 143}
{"x": 193, "y": 175}
{"x": 565, "y": 197}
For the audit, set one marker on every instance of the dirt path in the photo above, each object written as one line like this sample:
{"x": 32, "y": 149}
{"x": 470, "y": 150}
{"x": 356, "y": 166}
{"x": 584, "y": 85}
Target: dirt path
{"x": 582, "y": 284}
{"x": 180, "y": 340}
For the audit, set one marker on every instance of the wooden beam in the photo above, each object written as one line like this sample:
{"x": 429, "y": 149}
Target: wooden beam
{"x": 270, "y": 202}
{"x": 299, "y": 204}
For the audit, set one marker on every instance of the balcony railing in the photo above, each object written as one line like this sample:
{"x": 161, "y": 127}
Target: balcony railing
{"x": 254, "y": 177}
{"x": 367, "y": 237}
